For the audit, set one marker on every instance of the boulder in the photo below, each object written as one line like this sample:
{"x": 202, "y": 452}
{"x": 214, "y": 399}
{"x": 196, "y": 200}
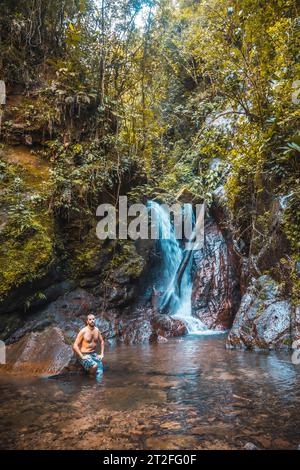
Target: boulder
{"x": 43, "y": 353}
{"x": 265, "y": 320}
{"x": 167, "y": 327}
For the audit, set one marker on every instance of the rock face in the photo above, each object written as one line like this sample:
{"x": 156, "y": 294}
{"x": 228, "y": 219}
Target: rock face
{"x": 67, "y": 313}
{"x": 146, "y": 325}
{"x": 264, "y": 320}
{"x": 216, "y": 291}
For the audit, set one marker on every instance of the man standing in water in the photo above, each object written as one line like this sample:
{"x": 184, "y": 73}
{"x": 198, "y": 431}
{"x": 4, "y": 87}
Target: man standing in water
{"x": 85, "y": 347}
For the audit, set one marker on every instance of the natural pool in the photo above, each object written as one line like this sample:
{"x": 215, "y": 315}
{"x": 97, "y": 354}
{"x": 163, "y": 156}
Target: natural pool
{"x": 187, "y": 393}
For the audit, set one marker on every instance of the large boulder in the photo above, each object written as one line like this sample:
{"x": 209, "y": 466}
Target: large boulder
{"x": 265, "y": 320}
{"x": 216, "y": 290}
{"x": 43, "y": 353}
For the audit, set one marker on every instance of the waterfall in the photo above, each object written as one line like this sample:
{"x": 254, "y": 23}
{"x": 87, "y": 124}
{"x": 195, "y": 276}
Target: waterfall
{"x": 175, "y": 293}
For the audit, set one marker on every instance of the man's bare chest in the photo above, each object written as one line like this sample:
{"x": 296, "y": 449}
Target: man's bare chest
{"x": 90, "y": 337}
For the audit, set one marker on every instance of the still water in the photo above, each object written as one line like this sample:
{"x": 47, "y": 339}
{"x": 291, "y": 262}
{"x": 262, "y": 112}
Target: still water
{"x": 187, "y": 393}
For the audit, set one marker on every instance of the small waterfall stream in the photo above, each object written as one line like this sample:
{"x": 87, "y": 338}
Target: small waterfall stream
{"x": 175, "y": 295}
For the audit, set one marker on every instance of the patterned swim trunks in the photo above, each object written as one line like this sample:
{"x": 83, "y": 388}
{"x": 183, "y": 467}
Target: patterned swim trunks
{"x": 91, "y": 360}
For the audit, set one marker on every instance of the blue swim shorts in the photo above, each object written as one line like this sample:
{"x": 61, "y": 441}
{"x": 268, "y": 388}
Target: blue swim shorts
{"x": 91, "y": 360}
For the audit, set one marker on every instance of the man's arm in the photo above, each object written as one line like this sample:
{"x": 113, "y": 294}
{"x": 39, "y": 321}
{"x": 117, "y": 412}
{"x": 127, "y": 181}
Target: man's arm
{"x": 76, "y": 345}
{"x": 101, "y": 345}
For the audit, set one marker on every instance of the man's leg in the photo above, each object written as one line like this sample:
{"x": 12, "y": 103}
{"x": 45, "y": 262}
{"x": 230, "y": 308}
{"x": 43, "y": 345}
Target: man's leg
{"x": 89, "y": 364}
{"x": 99, "y": 370}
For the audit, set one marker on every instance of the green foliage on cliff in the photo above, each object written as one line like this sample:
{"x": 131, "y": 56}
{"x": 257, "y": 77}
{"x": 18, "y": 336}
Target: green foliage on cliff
{"x": 27, "y": 235}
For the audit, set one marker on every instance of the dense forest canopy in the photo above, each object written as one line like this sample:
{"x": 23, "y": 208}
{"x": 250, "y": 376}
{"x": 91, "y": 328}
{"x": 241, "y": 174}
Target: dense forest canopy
{"x": 152, "y": 98}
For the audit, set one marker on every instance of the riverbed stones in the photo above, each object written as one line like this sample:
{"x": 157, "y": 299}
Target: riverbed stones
{"x": 280, "y": 443}
{"x": 264, "y": 440}
{"x": 171, "y": 442}
{"x": 171, "y": 425}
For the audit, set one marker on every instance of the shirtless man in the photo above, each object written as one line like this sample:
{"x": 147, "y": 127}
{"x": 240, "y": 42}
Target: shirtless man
{"x": 85, "y": 347}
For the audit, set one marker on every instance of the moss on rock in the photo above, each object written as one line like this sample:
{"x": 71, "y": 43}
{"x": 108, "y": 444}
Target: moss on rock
{"x": 126, "y": 262}
{"x": 27, "y": 240}
{"x": 23, "y": 261}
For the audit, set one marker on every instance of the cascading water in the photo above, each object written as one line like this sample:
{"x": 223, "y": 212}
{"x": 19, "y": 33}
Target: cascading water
{"x": 175, "y": 295}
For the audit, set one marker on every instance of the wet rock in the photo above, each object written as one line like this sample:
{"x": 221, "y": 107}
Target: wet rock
{"x": 120, "y": 295}
{"x": 68, "y": 312}
{"x": 171, "y": 425}
{"x": 125, "y": 269}
{"x": 161, "y": 339}
{"x": 264, "y": 441}
{"x": 30, "y": 291}
{"x": 9, "y": 324}
{"x": 281, "y": 443}
{"x": 216, "y": 294}
{"x": 143, "y": 324}
{"x": 250, "y": 446}
{"x": 39, "y": 353}
{"x": 135, "y": 330}
{"x": 167, "y": 327}
{"x": 264, "y": 320}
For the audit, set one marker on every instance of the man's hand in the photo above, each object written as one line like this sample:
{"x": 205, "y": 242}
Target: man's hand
{"x": 100, "y": 357}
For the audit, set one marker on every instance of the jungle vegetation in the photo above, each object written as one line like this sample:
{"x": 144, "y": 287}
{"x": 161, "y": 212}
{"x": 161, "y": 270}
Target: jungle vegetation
{"x": 153, "y": 99}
